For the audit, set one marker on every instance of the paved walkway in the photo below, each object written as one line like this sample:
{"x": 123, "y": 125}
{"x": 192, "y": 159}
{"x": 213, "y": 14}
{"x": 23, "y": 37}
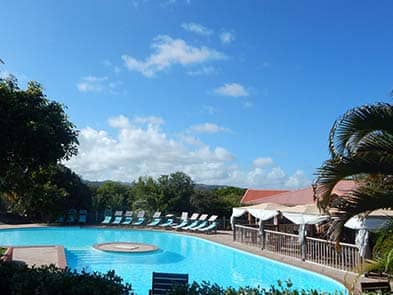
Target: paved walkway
{"x": 46, "y": 255}
{"x": 40, "y": 255}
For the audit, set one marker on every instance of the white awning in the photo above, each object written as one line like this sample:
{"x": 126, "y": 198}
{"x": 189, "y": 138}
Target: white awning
{"x": 370, "y": 223}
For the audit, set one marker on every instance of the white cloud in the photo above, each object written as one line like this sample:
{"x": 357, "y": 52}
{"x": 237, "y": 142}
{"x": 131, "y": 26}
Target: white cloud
{"x": 139, "y": 148}
{"x": 208, "y": 128}
{"x": 197, "y": 29}
{"x": 98, "y": 84}
{"x": 232, "y": 89}
{"x": 91, "y": 84}
{"x": 209, "y": 70}
{"x": 262, "y": 162}
{"x": 168, "y": 52}
{"x": 298, "y": 179}
{"x": 227, "y": 37}
{"x": 107, "y": 63}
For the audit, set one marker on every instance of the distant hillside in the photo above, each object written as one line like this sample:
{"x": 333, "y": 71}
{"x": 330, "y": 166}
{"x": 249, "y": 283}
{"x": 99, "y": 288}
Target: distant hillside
{"x": 198, "y": 186}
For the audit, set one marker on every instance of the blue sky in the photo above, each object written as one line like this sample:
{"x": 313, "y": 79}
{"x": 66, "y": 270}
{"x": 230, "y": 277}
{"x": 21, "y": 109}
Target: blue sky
{"x": 230, "y": 92}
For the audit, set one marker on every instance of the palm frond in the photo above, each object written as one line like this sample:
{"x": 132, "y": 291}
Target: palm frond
{"x": 364, "y": 199}
{"x": 362, "y": 163}
{"x": 355, "y": 124}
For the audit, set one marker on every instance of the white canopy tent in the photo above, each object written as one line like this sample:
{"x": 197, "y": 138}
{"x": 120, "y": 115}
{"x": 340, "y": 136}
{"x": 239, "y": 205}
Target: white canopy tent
{"x": 372, "y": 222}
{"x": 304, "y": 214}
{"x": 364, "y": 224}
{"x": 264, "y": 211}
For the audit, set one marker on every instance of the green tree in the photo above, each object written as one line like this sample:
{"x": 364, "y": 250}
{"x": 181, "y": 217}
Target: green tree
{"x": 361, "y": 148}
{"x": 54, "y": 190}
{"x": 112, "y": 195}
{"x": 34, "y": 133}
{"x": 176, "y": 190}
{"x": 147, "y": 194}
{"x": 218, "y": 201}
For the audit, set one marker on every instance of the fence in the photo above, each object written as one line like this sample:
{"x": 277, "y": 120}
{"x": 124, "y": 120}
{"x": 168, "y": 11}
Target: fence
{"x": 314, "y": 250}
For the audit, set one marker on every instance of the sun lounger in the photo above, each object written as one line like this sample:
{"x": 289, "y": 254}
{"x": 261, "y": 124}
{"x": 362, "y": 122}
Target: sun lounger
{"x": 82, "y": 216}
{"x": 202, "y": 218}
{"x": 211, "y": 227}
{"x": 184, "y": 220}
{"x": 71, "y": 216}
{"x": 108, "y": 217}
{"x": 127, "y": 218}
{"x": 118, "y": 217}
{"x": 169, "y": 222}
{"x": 140, "y": 218}
{"x": 201, "y": 225}
{"x": 155, "y": 219}
{"x": 205, "y": 223}
{"x": 164, "y": 282}
{"x": 180, "y": 225}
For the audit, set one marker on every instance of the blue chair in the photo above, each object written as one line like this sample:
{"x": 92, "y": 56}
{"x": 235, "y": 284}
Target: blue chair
{"x": 141, "y": 218}
{"x": 108, "y": 217}
{"x": 82, "y": 216}
{"x": 118, "y": 217}
{"x": 202, "y": 218}
{"x": 156, "y": 219}
{"x": 169, "y": 222}
{"x": 127, "y": 218}
{"x": 71, "y": 216}
{"x": 205, "y": 223}
{"x": 180, "y": 225}
{"x": 184, "y": 220}
{"x": 164, "y": 282}
{"x": 210, "y": 228}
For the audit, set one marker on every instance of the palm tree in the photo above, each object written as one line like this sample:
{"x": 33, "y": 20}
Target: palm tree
{"x": 361, "y": 148}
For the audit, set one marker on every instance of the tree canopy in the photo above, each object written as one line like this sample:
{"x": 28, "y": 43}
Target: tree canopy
{"x": 35, "y": 132}
{"x": 361, "y": 147}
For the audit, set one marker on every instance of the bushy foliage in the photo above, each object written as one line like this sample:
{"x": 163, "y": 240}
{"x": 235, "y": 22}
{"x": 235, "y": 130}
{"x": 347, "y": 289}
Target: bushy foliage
{"x": 18, "y": 279}
{"x": 384, "y": 241}
{"x": 53, "y": 190}
{"x": 383, "y": 251}
{"x": 34, "y": 132}
{"x": 176, "y": 192}
{"x": 213, "y": 289}
{"x": 114, "y": 195}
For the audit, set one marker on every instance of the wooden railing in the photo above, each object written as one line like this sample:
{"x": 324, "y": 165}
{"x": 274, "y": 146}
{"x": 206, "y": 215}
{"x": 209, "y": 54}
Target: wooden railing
{"x": 246, "y": 235}
{"x": 345, "y": 257}
{"x": 314, "y": 250}
{"x": 282, "y": 243}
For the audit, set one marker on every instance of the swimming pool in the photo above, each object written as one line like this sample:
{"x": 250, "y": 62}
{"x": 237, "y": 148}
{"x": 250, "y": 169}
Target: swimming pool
{"x": 202, "y": 260}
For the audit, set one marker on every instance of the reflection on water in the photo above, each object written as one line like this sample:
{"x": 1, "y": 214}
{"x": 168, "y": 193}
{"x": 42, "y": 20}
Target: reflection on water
{"x": 87, "y": 258}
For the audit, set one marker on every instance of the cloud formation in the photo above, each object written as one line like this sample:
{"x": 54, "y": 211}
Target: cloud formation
{"x": 232, "y": 89}
{"x": 262, "y": 162}
{"x": 140, "y": 147}
{"x": 91, "y": 84}
{"x": 227, "y": 37}
{"x": 167, "y": 52}
{"x": 197, "y": 29}
{"x": 98, "y": 84}
{"x": 208, "y": 128}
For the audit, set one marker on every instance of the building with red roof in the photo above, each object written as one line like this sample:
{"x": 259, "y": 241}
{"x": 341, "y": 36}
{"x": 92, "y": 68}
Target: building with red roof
{"x": 291, "y": 198}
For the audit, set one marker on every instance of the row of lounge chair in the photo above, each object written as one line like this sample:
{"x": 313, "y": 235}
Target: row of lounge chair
{"x": 195, "y": 223}
{"x": 72, "y": 216}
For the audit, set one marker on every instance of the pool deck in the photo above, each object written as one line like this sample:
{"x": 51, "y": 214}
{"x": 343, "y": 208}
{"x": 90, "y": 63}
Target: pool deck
{"x": 44, "y": 255}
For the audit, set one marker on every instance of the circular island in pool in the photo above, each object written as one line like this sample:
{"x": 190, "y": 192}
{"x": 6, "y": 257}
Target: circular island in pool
{"x": 201, "y": 259}
{"x": 126, "y": 247}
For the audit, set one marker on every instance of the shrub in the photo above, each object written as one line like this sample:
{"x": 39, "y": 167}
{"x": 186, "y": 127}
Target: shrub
{"x": 213, "y": 289}
{"x": 16, "y": 278}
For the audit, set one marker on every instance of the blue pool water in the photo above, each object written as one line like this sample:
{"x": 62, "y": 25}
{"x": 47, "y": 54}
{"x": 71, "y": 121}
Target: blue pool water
{"x": 201, "y": 259}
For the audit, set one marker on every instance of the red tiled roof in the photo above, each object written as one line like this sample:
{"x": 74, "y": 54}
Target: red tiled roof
{"x": 253, "y": 196}
{"x": 296, "y": 197}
